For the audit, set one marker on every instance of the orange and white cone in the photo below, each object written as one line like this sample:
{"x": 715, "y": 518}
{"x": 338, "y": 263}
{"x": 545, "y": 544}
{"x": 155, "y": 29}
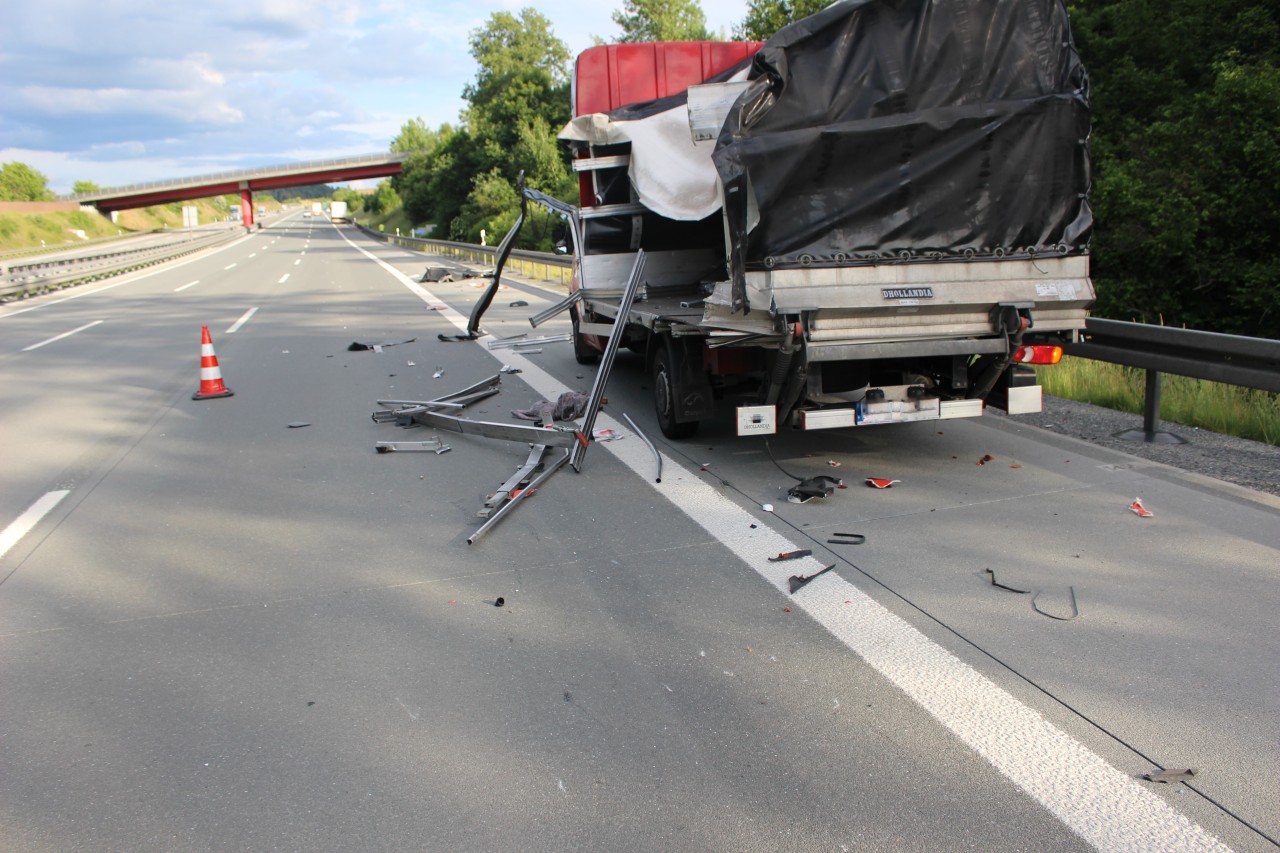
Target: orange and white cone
{"x": 211, "y": 384}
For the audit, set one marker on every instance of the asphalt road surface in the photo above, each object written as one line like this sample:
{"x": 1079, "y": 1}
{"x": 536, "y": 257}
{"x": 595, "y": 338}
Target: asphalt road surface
{"x": 221, "y": 632}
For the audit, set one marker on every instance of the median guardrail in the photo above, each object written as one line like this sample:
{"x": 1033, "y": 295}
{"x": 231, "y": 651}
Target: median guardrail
{"x": 22, "y": 281}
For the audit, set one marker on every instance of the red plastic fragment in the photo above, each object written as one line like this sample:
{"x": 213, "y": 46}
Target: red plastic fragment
{"x": 1141, "y": 510}
{"x": 880, "y": 483}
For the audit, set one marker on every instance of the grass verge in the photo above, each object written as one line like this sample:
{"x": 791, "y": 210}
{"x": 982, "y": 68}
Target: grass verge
{"x": 1242, "y": 412}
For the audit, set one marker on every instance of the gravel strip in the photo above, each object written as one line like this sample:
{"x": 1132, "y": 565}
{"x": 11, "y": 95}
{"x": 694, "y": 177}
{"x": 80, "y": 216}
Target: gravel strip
{"x": 1251, "y": 464}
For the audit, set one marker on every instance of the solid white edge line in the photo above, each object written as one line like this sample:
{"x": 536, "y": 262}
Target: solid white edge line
{"x": 244, "y": 318}
{"x": 63, "y": 335}
{"x": 23, "y": 524}
{"x": 1102, "y": 805}
{"x": 185, "y": 286}
{"x": 229, "y": 266}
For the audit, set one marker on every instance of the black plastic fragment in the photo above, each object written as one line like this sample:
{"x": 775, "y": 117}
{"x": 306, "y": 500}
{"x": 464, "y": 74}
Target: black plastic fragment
{"x": 362, "y": 346}
{"x": 995, "y": 582}
{"x": 499, "y": 601}
{"x": 1166, "y": 776}
{"x": 797, "y": 582}
{"x": 298, "y": 424}
{"x": 847, "y": 539}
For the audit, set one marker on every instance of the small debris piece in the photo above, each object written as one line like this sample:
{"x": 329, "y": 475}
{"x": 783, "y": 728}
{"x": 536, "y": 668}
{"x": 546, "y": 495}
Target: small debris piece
{"x": 786, "y": 610}
{"x": 298, "y": 424}
{"x": 606, "y": 435}
{"x": 878, "y": 483}
{"x": 1141, "y": 510}
{"x": 1075, "y": 608}
{"x": 439, "y": 372}
{"x": 815, "y": 487}
{"x": 767, "y": 507}
{"x": 499, "y": 602}
{"x": 986, "y": 457}
{"x": 833, "y": 463}
{"x": 995, "y": 582}
{"x": 1015, "y": 466}
{"x": 847, "y": 539}
{"x": 412, "y": 363}
{"x": 791, "y": 555}
{"x": 359, "y": 346}
{"x": 506, "y": 368}
{"x": 797, "y": 582}
{"x": 519, "y": 303}
{"x": 1166, "y": 776}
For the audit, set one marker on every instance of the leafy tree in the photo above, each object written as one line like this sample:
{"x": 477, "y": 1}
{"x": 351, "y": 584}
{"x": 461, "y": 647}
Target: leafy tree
{"x": 766, "y": 17}
{"x": 353, "y": 198}
{"x": 84, "y": 187}
{"x": 661, "y": 20}
{"x": 1186, "y": 150}
{"x": 20, "y": 182}
{"x": 507, "y": 43}
{"x": 382, "y": 200}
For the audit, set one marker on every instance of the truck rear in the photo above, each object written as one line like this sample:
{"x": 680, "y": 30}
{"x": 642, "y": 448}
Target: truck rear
{"x": 879, "y": 215}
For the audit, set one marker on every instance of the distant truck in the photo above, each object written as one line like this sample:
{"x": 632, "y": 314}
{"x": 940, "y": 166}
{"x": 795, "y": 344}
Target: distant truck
{"x": 879, "y": 215}
{"x": 317, "y": 208}
{"x": 338, "y": 211}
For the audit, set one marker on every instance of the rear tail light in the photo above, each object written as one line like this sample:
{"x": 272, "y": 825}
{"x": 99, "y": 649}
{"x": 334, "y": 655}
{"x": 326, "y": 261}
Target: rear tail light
{"x": 1038, "y": 354}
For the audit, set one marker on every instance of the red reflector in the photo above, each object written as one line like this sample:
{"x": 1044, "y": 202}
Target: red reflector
{"x": 1038, "y": 354}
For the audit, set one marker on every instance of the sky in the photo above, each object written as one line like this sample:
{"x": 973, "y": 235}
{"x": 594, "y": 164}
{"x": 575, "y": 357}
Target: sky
{"x": 119, "y": 92}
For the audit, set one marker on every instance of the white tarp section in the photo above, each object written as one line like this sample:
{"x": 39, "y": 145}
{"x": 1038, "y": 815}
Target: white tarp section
{"x": 672, "y": 175}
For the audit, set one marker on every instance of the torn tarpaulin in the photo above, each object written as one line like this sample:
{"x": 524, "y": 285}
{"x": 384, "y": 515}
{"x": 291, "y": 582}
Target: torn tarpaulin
{"x": 361, "y": 346}
{"x": 569, "y": 405}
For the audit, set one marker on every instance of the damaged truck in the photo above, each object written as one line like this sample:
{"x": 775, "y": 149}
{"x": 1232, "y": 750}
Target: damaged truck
{"x": 879, "y": 215}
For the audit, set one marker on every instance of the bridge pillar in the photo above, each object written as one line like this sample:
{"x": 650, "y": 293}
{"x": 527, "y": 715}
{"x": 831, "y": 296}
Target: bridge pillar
{"x": 246, "y": 206}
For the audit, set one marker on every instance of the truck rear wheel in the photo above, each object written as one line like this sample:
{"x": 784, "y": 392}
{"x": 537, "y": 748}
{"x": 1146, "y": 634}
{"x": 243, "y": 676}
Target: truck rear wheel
{"x": 666, "y": 390}
{"x": 583, "y": 353}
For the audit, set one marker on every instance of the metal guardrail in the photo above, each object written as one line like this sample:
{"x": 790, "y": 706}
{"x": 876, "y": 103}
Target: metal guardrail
{"x": 104, "y": 265}
{"x": 1229, "y": 359}
{"x": 540, "y": 265}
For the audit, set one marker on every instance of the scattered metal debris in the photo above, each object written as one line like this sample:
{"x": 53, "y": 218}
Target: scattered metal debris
{"x": 521, "y": 341}
{"x": 1164, "y": 776}
{"x": 377, "y": 346}
{"x": 997, "y": 583}
{"x": 791, "y": 555}
{"x": 657, "y": 457}
{"x": 433, "y": 445}
{"x": 1075, "y": 608}
{"x": 797, "y": 582}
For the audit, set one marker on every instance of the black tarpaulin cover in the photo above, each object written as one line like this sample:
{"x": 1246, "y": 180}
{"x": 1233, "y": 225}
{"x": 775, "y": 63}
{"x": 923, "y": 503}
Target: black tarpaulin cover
{"x": 913, "y": 130}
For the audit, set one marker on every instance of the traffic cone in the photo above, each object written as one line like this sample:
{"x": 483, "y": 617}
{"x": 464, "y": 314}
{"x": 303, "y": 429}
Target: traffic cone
{"x": 210, "y": 374}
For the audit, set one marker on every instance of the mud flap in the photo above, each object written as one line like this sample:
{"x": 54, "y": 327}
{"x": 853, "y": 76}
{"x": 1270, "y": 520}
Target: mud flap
{"x": 693, "y": 398}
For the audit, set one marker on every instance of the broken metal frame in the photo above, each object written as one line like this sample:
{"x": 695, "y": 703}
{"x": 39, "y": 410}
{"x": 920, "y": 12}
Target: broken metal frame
{"x": 606, "y": 360}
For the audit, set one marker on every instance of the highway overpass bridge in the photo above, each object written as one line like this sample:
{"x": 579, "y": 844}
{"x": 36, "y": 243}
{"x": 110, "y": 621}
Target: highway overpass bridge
{"x": 245, "y": 182}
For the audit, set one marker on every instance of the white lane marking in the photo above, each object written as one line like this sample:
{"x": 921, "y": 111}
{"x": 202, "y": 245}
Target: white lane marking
{"x": 63, "y": 335}
{"x": 235, "y": 327}
{"x": 283, "y": 279}
{"x": 229, "y": 266}
{"x": 298, "y": 261}
{"x": 185, "y": 286}
{"x": 1105, "y": 807}
{"x": 253, "y": 254}
{"x": 23, "y": 524}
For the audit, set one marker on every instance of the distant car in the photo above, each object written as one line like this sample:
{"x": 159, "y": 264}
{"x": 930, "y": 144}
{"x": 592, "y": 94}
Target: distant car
{"x": 306, "y": 214}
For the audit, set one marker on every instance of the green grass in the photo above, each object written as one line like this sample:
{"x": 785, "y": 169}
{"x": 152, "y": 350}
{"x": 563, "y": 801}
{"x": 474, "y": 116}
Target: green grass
{"x": 1226, "y": 409}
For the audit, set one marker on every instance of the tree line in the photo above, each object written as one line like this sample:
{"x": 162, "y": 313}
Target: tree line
{"x": 1185, "y": 145}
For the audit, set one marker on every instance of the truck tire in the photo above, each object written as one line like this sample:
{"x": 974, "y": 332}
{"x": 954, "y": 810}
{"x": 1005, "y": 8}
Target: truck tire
{"x": 583, "y": 353}
{"x": 666, "y": 390}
